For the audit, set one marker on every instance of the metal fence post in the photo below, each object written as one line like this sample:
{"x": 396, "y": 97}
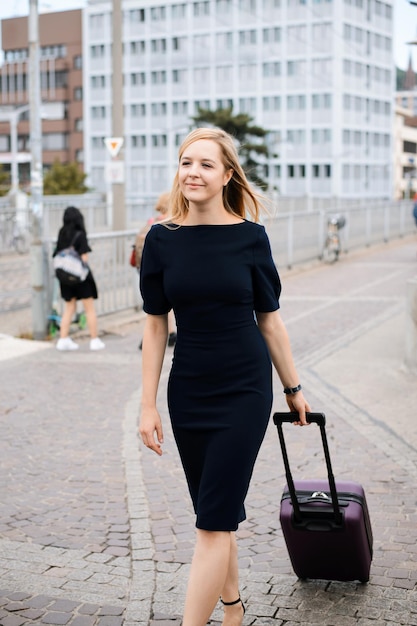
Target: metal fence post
{"x": 411, "y": 326}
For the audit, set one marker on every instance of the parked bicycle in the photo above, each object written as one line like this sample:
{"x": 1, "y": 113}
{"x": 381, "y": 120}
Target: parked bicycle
{"x": 332, "y": 245}
{"x": 13, "y": 236}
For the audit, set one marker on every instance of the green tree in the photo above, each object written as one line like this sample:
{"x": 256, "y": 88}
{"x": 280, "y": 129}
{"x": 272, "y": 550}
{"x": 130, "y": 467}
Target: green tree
{"x": 247, "y": 135}
{"x": 64, "y": 178}
{"x": 4, "y": 181}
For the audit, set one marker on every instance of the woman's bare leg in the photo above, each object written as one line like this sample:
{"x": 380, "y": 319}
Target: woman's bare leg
{"x": 66, "y": 319}
{"x": 208, "y": 574}
{"x": 233, "y": 614}
{"x": 90, "y": 313}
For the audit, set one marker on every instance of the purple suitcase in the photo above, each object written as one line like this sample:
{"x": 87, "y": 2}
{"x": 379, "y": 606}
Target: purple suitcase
{"x": 325, "y": 524}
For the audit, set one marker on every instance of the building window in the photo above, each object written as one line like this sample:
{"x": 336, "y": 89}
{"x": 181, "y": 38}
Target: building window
{"x": 201, "y": 8}
{"x": 324, "y": 100}
{"x": 78, "y": 93}
{"x": 138, "y": 78}
{"x": 158, "y": 46}
{"x": 79, "y": 124}
{"x": 271, "y": 103}
{"x": 224, "y": 73}
{"x": 4, "y": 143}
{"x": 79, "y": 156}
{"x": 138, "y": 141}
{"x": 179, "y": 76}
{"x": 178, "y": 11}
{"x": 97, "y": 143}
{"x": 271, "y": 69}
{"x": 201, "y": 104}
{"x": 78, "y": 62}
{"x": 16, "y": 55}
{"x": 223, "y": 7}
{"x": 247, "y": 105}
{"x": 53, "y": 52}
{"x": 136, "y": 15}
{"x": 180, "y": 108}
{"x": 138, "y": 110}
{"x": 316, "y": 171}
{"x": 98, "y": 112}
{"x": 54, "y": 141}
{"x": 98, "y": 82}
{"x": 97, "y": 21}
{"x": 296, "y": 102}
{"x": 159, "y": 77}
{"x": 296, "y": 137}
{"x": 295, "y": 68}
{"x": 137, "y": 47}
{"x": 159, "y": 141}
{"x": 247, "y": 37}
{"x": 158, "y": 14}
{"x": 224, "y": 104}
{"x": 97, "y": 52}
{"x": 158, "y": 108}
{"x": 271, "y": 35}
{"x": 201, "y": 75}
{"x": 224, "y": 41}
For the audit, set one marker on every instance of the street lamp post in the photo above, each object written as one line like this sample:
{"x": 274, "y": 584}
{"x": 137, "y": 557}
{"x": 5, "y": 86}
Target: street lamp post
{"x": 13, "y": 118}
{"x": 37, "y": 256}
{"x": 118, "y": 188}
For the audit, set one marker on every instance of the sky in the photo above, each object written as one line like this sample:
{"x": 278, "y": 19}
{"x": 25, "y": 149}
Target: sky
{"x": 405, "y": 22}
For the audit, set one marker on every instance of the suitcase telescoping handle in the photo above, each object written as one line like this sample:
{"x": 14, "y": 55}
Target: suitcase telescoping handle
{"x": 320, "y": 420}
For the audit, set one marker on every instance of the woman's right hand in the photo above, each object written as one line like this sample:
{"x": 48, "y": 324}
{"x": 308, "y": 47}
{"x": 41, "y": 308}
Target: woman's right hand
{"x": 150, "y": 425}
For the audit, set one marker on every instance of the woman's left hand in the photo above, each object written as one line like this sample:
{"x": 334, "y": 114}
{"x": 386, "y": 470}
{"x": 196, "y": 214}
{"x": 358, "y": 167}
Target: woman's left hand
{"x": 299, "y": 404}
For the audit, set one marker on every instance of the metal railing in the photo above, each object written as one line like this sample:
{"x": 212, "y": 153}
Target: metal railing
{"x": 296, "y": 237}
{"x": 117, "y": 281}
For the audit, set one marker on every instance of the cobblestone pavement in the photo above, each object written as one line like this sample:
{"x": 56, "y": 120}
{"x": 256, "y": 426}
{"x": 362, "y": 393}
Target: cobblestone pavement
{"x": 96, "y": 531}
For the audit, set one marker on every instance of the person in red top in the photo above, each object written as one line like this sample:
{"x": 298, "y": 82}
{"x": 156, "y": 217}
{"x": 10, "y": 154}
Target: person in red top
{"x": 162, "y": 210}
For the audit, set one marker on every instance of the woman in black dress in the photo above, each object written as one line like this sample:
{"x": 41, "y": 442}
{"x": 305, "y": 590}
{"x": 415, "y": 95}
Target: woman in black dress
{"x": 73, "y": 233}
{"x": 215, "y": 269}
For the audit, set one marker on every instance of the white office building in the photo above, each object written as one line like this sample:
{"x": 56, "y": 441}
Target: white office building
{"x": 318, "y": 74}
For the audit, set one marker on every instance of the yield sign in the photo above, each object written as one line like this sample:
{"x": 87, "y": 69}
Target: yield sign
{"x": 113, "y": 145}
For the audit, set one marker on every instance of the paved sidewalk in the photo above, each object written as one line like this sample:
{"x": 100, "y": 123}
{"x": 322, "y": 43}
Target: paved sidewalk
{"x": 97, "y": 531}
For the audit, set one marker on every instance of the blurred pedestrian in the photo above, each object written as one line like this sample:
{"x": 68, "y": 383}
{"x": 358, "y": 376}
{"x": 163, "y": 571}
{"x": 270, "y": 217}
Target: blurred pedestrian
{"x": 215, "y": 269}
{"x": 161, "y": 208}
{"x": 73, "y": 233}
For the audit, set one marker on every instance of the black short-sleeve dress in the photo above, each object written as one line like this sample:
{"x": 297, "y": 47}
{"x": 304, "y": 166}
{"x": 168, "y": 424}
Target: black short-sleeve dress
{"x": 86, "y": 289}
{"x": 220, "y": 388}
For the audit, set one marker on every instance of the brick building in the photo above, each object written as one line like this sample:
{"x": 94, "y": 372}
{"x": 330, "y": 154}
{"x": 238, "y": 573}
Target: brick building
{"x": 60, "y": 43}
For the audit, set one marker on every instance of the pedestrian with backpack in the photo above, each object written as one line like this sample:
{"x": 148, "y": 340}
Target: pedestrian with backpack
{"x": 72, "y": 234}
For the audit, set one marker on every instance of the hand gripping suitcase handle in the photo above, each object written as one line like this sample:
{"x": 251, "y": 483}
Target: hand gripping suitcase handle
{"x": 320, "y": 420}
{"x": 312, "y": 418}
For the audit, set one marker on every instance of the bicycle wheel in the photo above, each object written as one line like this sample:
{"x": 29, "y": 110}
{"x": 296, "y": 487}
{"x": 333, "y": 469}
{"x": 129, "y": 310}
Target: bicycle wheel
{"x": 331, "y": 250}
{"x": 21, "y": 243}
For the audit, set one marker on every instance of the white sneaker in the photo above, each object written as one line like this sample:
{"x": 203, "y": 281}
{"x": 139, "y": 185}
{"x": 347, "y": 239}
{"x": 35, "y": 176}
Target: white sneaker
{"x": 66, "y": 343}
{"x": 97, "y": 344}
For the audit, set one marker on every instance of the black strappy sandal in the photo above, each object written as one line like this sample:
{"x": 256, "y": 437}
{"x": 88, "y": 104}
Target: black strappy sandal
{"x": 234, "y": 602}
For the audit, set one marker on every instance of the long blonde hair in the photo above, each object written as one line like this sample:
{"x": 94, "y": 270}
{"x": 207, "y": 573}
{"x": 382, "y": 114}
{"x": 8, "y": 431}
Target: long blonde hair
{"x": 238, "y": 196}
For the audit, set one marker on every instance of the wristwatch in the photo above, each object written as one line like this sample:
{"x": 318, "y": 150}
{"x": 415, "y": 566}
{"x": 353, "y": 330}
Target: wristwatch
{"x": 290, "y": 391}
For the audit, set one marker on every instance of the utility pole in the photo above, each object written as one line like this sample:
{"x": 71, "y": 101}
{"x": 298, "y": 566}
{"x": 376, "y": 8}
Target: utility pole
{"x": 38, "y": 271}
{"x": 118, "y": 188}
